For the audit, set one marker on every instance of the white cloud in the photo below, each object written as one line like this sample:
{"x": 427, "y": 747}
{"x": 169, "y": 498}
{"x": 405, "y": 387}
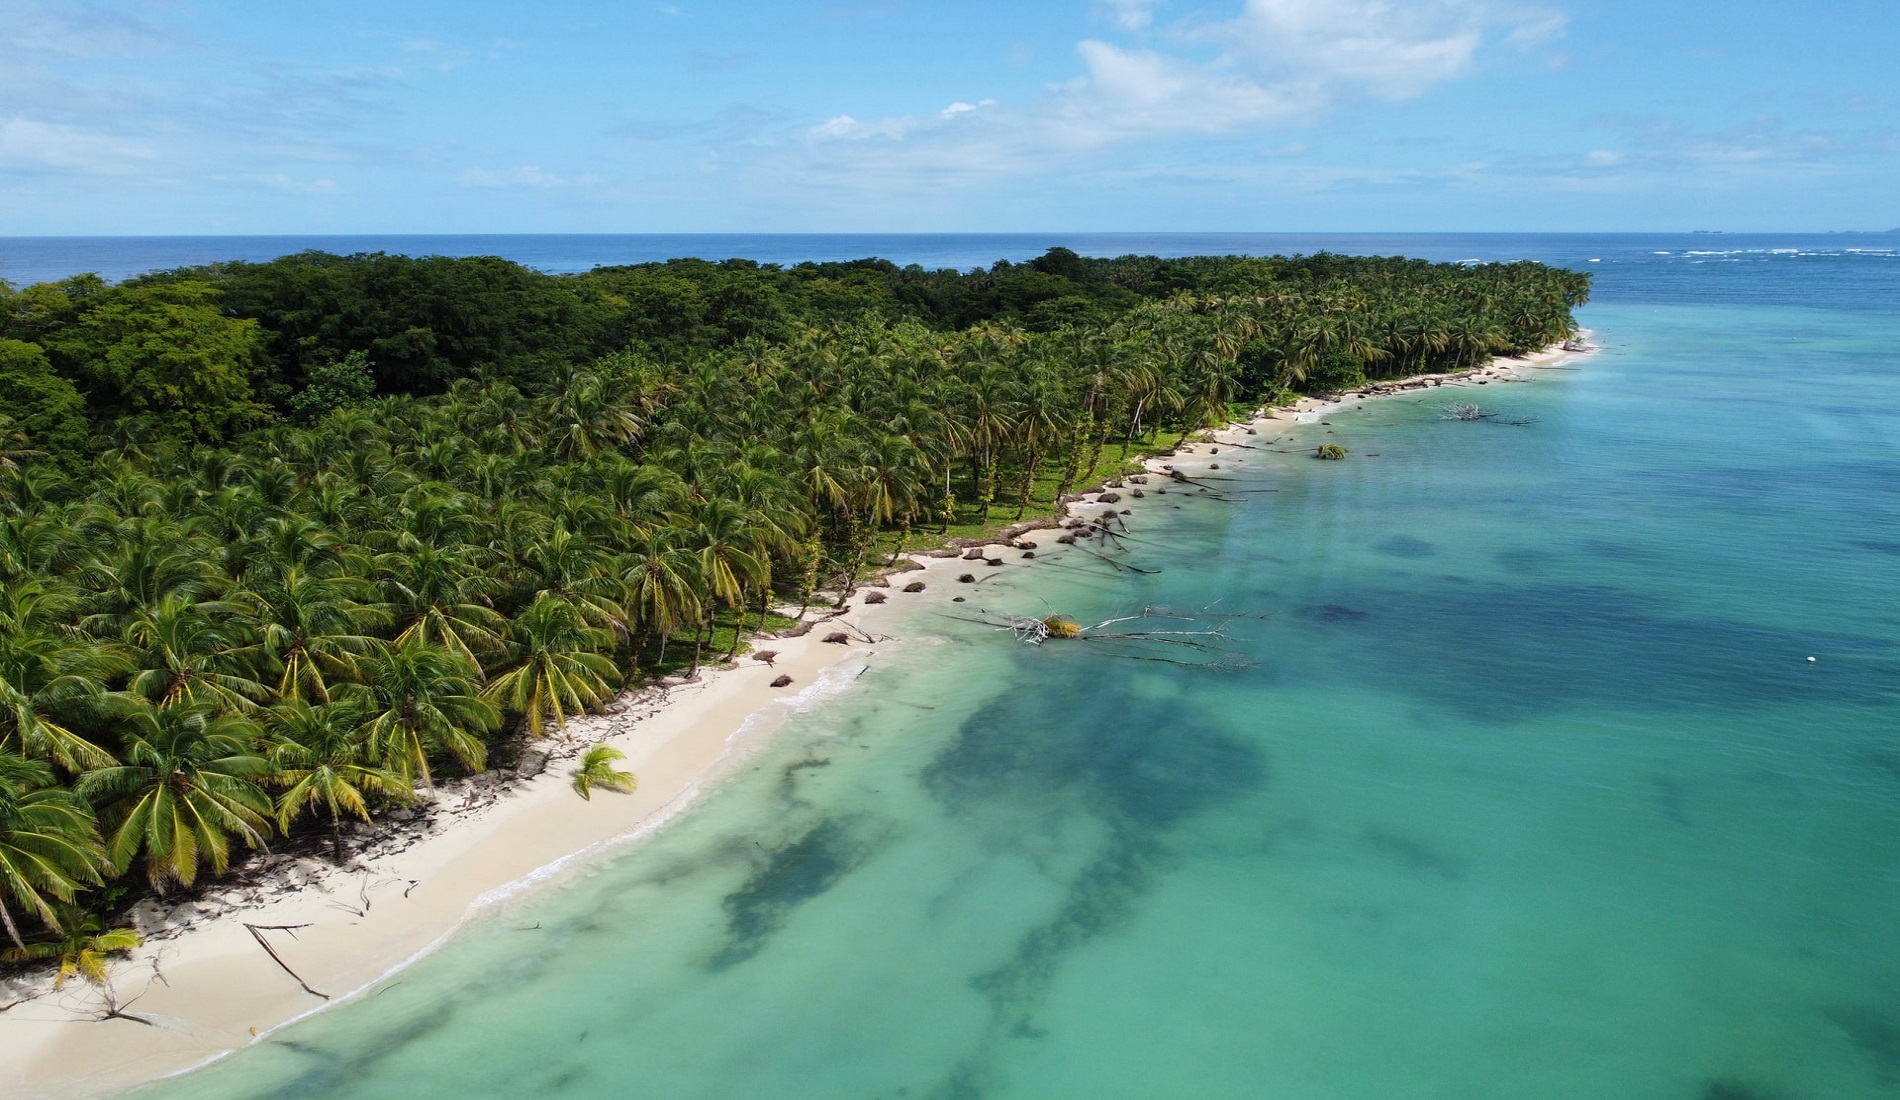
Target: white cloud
{"x": 526, "y": 175}
{"x": 1133, "y": 15}
{"x": 1273, "y": 64}
{"x": 31, "y": 147}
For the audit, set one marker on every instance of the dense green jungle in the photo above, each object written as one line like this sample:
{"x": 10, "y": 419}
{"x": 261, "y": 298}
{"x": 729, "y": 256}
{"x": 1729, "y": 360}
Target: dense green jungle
{"x": 283, "y": 543}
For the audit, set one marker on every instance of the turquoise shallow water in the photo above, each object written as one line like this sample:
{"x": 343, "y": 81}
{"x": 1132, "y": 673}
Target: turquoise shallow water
{"x": 1530, "y": 791}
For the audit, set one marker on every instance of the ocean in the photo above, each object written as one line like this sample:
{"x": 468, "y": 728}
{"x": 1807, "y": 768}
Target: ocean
{"x": 1517, "y": 781}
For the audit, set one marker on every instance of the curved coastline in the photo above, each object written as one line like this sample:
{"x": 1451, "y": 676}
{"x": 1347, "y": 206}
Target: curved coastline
{"x": 209, "y": 991}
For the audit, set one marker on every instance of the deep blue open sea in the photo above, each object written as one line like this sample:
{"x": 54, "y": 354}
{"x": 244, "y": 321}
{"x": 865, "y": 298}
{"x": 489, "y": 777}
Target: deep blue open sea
{"x": 1529, "y": 790}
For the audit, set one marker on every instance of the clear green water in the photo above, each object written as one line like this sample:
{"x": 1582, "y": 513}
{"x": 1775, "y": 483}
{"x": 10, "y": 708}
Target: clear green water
{"x": 1531, "y": 793}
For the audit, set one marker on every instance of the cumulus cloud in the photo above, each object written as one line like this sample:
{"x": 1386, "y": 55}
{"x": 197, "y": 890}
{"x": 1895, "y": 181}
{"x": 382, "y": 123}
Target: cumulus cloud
{"x": 1275, "y": 63}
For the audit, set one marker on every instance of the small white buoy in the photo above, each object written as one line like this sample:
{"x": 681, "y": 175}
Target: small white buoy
{"x": 1810, "y": 660}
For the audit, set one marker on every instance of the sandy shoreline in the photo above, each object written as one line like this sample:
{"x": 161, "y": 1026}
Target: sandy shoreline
{"x": 204, "y": 987}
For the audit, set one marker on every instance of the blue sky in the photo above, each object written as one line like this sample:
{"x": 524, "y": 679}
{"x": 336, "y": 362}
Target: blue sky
{"x": 478, "y": 116}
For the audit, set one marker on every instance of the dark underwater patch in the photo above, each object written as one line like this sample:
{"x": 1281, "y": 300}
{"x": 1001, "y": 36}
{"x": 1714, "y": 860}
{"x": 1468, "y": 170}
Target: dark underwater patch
{"x": 1731, "y": 1089}
{"x": 1499, "y": 652}
{"x": 791, "y": 875}
{"x": 1405, "y": 546}
{"x": 1875, "y": 1032}
{"x": 1333, "y": 613}
{"x": 1414, "y": 856}
{"x": 1142, "y": 766}
{"x": 1524, "y": 559}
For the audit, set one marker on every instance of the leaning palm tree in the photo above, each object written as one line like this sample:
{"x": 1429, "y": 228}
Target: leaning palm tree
{"x": 326, "y": 759}
{"x": 49, "y": 845}
{"x": 597, "y": 770}
{"x": 190, "y": 783}
{"x": 558, "y": 668}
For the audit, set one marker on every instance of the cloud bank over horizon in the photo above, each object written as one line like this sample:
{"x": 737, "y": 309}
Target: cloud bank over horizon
{"x": 138, "y": 116}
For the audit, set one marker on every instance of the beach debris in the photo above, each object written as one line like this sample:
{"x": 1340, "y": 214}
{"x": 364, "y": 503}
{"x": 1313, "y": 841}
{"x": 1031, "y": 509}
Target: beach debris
{"x": 914, "y": 586}
{"x": 257, "y": 933}
{"x": 1810, "y": 660}
{"x": 597, "y": 770}
{"x": 1331, "y": 451}
{"x": 782, "y": 681}
{"x": 1465, "y": 410}
{"x": 766, "y": 657}
{"x": 837, "y": 637}
{"x": 1120, "y": 639}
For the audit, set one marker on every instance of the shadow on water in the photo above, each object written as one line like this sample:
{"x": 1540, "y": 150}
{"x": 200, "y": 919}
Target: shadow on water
{"x": 1141, "y": 767}
{"x": 789, "y": 876}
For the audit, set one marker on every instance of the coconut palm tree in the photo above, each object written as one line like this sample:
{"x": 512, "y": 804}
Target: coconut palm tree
{"x": 597, "y": 770}
{"x": 191, "y": 781}
{"x": 310, "y": 630}
{"x": 420, "y": 700}
{"x": 436, "y": 594}
{"x": 49, "y": 676}
{"x": 326, "y": 758}
{"x": 49, "y": 844}
{"x": 557, "y": 670}
{"x": 84, "y": 945}
{"x": 192, "y": 650}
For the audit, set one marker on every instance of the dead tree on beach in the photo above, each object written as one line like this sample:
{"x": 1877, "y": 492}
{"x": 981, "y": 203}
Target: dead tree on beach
{"x": 1462, "y": 410}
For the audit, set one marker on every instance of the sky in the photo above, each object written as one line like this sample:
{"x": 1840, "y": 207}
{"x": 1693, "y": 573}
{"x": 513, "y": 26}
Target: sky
{"x": 415, "y": 116}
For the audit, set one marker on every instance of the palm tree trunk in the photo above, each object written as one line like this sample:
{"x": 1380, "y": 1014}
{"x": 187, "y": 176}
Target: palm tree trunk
{"x": 738, "y": 628}
{"x": 336, "y": 837}
{"x": 699, "y": 642}
{"x": 13, "y": 930}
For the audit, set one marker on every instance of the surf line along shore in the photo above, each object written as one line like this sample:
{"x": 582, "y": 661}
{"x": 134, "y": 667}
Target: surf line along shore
{"x": 218, "y": 975}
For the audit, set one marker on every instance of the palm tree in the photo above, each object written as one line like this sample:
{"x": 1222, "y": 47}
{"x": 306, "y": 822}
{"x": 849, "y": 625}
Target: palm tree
{"x": 310, "y": 630}
{"x": 420, "y": 699}
{"x": 83, "y": 948}
{"x": 13, "y": 446}
{"x": 557, "y": 671}
{"x": 434, "y": 594}
{"x": 660, "y": 575}
{"x": 48, "y": 676}
{"x": 49, "y": 844}
{"x": 597, "y": 770}
{"x": 190, "y": 782}
{"x": 325, "y": 758}
{"x": 189, "y": 650}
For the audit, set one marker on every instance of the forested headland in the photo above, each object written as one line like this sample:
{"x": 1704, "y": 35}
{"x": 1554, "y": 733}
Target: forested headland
{"x": 280, "y": 543}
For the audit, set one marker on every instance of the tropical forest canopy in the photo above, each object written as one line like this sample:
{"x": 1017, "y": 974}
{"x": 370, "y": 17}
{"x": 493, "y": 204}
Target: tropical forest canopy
{"x": 281, "y": 543}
